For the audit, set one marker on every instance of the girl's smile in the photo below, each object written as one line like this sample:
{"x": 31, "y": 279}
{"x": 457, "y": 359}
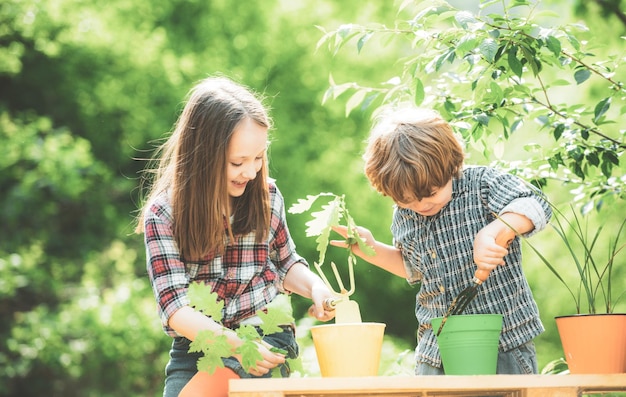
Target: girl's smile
{"x": 246, "y": 153}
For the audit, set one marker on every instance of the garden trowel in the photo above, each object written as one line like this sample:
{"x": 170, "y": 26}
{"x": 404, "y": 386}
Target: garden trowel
{"x": 346, "y": 311}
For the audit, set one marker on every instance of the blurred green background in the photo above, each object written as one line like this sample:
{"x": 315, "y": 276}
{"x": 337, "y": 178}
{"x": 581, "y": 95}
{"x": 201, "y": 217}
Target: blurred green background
{"x": 87, "y": 89}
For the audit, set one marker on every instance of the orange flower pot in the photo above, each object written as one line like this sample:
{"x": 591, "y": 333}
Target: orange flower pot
{"x": 594, "y": 343}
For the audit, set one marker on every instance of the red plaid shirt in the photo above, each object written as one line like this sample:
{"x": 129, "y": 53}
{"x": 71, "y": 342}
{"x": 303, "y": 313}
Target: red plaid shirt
{"x": 247, "y": 277}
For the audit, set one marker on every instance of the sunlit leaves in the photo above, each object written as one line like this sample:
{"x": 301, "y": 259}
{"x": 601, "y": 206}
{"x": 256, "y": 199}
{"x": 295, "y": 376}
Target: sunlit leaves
{"x": 214, "y": 348}
{"x": 330, "y": 216}
{"x": 476, "y": 68}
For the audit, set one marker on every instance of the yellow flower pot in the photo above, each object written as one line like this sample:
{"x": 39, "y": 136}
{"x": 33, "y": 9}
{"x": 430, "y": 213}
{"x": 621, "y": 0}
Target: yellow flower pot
{"x": 348, "y": 349}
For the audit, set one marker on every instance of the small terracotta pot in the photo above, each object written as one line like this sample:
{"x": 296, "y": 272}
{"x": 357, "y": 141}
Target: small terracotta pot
{"x": 594, "y": 343}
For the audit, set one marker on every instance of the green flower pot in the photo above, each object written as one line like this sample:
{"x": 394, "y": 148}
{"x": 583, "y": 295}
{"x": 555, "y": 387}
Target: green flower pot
{"x": 468, "y": 343}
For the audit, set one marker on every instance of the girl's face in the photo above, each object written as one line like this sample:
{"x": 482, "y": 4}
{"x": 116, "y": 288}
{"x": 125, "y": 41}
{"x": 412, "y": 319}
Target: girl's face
{"x": 246, "y": 153}
{"x": 429, "y": 206}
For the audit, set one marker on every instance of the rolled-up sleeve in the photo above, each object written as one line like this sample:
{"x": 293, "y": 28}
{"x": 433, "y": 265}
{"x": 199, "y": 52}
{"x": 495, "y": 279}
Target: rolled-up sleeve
{"x": 532, "y": 209}
{"x": 165, "y": 269}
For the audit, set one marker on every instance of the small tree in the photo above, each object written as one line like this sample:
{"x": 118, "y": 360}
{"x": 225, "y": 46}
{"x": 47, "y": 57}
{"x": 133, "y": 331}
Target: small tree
{"x": 488, "y": 75}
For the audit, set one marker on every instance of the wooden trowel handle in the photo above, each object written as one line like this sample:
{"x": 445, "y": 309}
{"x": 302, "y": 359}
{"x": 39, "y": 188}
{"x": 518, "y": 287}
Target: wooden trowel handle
{"x": 481, "y": 275}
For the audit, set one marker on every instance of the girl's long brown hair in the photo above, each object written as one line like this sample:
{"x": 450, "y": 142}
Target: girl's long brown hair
{"x": 191, "y": 167}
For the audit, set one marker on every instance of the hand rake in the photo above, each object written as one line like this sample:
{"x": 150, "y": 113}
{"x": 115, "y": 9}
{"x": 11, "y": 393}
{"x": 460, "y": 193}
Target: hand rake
{"x": 463, "y": 299}
{"x": 347, "y": 311}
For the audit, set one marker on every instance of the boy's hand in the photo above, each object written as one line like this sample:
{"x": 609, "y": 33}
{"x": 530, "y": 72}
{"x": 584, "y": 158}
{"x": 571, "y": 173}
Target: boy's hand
{"x": 488, "y": 254}
{"x": 364, "y": 233}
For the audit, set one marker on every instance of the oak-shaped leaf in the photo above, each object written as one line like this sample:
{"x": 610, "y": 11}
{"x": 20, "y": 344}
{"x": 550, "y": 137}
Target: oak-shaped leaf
{"x": 205, "y": 301}
{"x": 273, "y": 318}
{"x": 249, "y": 351}
{"x": 214, "y": 347}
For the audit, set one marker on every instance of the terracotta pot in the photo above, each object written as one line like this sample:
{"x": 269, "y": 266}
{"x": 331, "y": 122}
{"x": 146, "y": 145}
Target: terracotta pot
{"x": 350, "y": 349}
{"x": 594, "y": 343}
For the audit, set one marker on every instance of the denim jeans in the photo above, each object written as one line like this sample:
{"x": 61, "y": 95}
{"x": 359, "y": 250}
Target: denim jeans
{"x": 521, "y": 360}
{"x": 182, "y": 364}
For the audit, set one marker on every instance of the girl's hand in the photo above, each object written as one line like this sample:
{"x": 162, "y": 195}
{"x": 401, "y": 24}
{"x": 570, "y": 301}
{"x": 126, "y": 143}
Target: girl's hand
{"x": 364, "y": 233}
{"x": 270, "y": 360}
{"x": 319, "y": 293}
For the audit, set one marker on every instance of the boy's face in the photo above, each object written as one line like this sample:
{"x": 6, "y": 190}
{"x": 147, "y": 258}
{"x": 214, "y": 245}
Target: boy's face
{"x": 429, "y": 206}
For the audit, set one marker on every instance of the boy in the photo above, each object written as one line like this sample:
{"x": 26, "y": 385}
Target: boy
{"x": 444, "y": 228}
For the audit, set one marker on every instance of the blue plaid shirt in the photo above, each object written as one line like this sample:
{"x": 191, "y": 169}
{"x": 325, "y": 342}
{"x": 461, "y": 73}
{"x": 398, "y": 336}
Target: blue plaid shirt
{"x": 438, "y": 253}
{"x": 247, "y": 277}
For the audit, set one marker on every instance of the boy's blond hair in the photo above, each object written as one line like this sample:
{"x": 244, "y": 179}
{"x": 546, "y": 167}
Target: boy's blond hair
{"x": 410, "y": 152}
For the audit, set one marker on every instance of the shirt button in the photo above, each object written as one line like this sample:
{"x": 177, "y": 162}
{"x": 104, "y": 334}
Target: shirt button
{"x": 441, "y": 289}
{"x": 433, "y": 254}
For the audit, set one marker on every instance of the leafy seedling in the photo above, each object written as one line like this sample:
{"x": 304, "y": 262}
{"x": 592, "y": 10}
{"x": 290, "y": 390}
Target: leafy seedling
{"x": 214, "y": 346}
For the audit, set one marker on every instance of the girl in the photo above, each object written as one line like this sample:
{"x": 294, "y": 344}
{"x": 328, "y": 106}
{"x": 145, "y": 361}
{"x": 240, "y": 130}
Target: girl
{"x": 213, "y": 215}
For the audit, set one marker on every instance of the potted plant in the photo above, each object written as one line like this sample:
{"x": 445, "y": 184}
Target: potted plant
{"x": 349, "y": 347}
{"x": 594, "y": 337}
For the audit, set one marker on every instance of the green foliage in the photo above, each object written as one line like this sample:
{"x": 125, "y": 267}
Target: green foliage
{"x": 88, "y": 90}
{"x": 491, "y": 74}
{"x": 50, "y": 349}
{"x": 593, "y": 288}
{"x": 214, "y": 346}
{"x": 330, "y": 216}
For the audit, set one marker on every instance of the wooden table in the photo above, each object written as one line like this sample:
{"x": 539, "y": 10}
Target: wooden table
{"x": 422, "y": 386}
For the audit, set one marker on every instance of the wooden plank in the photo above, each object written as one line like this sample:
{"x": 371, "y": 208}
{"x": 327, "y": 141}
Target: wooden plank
{"x": 421, "y": 386}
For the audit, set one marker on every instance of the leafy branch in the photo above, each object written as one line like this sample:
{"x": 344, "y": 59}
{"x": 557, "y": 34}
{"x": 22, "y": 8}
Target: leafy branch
{"x": 323, "y": 222}
{"x": 481, "y": 70}
{"x": 214, "y": 346}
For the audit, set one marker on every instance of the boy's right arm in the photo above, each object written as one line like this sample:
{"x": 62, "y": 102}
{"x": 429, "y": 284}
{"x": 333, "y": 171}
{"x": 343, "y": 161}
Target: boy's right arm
{"x": 387, "y": 257}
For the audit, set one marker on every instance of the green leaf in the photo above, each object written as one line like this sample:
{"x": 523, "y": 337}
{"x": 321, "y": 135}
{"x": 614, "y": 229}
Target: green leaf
{"x": 558, "y": 131}
{"x": 488, "y": 48}
{"x": 214, "y": 348}
{"x": 553, "y": 45}
{"x": 581, "y": 75}
{"x": 248, "y": 332}
{"x": 362, "y": 40}
{"x": 249, "y": 351}
{"x": 272, "y": 319}
{"x": 419, "y": 92}
{"x": 303, "y": 205}
{"x": 323, "y": 220}
{"x": 209, "y": 363}
{"x": 464, "y": 19}
{"x": 601, "y": 108}
{"x": 355, "y": 100}
{"x": 514, "y": 63}
{"x": 205, "y": 301}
